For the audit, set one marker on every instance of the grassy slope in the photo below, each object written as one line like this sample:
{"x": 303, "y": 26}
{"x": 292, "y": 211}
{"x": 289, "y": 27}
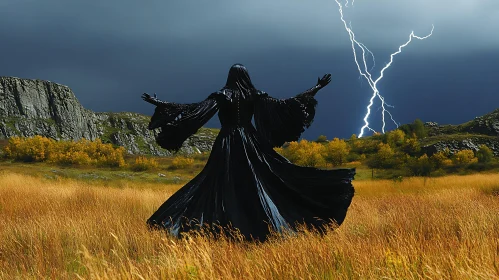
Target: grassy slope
{"x": 123, "y": 177}
{"x": 110, "y": 177}
{"x": 64, "y": 228}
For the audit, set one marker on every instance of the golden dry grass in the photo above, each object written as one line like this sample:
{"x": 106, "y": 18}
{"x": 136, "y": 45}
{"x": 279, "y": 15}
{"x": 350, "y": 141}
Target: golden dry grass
{"x": 444, "y": 228}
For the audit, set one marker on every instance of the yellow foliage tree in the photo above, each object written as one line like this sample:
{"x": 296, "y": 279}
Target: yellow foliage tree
{"x": 336, "y": 152}
{"x": 383, "y": 158}
{"x": 280, "y": 151}
{"x": 411, "y": 146}
{"x": 180, "y": 162}
{"x": 464, "y": 157}
{"x": 304, "y": 153}
{"x": 82, "y": 152}
{"x": 31, "y": 149}
{"x": 310, "y": 154}
{"x": 292, "y": 151}
{"x": 144, "y": 163}
{"x": 441, "y": 159}
{"x": 385, "y": 152}
{"x": 395, "y": 138}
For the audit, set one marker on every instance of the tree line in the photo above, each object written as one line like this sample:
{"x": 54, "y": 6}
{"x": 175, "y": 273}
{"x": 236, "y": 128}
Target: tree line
{"x": 397, "y": 150}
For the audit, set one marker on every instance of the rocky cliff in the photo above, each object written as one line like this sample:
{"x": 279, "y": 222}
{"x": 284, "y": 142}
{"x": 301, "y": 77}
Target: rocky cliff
{"x": 471, "y": 135}
{"x": 36, "y": 107}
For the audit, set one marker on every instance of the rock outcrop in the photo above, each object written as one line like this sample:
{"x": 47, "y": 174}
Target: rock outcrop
{"x": 471, "y": 135}
{"x": 485, "y": 125}
{"x": 456, "y": 144}
{"x": 36, "y": 107}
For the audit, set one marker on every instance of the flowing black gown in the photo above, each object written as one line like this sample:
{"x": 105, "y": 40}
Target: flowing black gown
{"x": 245, "y": 183}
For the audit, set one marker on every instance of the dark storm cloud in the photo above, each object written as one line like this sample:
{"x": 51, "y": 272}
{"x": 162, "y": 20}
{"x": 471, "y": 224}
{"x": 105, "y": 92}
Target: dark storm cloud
{"x": 109, "y": 52}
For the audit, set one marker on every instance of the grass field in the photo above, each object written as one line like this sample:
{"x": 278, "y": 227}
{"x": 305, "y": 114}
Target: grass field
{"x": 62, "y": 227}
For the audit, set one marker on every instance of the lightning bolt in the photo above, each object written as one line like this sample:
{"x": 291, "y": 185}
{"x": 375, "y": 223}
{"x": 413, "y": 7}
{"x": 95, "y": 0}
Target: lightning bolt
{"x": 364, "y": 72}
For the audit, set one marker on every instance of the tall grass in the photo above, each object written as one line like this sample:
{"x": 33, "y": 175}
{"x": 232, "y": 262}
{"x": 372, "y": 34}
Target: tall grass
{"x": 443, "y": 228}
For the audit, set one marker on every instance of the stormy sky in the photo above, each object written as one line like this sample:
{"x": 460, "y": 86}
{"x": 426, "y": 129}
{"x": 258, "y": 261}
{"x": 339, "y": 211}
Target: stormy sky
{"x": 109, "y": 52}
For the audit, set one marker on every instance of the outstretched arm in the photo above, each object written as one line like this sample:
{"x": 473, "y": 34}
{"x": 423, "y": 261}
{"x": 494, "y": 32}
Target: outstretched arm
{"x": 179, "y": 121}
{"x": 321, "y": 82}
{"x": 153, "y": 100}
{"x": 284, "y": 120}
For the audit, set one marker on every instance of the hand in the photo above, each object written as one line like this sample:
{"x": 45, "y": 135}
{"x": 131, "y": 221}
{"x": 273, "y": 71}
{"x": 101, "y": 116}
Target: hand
{"x": 147, "y": 98}
{"x": 326, "y": 79}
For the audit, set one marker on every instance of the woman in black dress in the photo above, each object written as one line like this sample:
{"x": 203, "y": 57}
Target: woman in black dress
{"x": 245, "y": 184}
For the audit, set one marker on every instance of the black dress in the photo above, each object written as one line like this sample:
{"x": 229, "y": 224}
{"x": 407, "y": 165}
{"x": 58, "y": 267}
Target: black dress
{"x": 245, "y": 183}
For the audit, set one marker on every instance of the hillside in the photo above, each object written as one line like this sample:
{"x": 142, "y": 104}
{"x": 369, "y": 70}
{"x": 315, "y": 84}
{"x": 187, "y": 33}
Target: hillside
{"x": 482, "y": 130}
{"x": 37, "y": 107}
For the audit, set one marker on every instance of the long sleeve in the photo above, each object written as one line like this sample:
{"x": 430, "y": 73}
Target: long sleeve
{"x": 284, "y": 120}
{"x": 179, "y": 121}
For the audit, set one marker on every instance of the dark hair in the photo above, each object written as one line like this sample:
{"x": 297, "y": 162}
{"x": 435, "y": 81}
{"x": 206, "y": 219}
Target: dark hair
{"x": 239, "y": 79}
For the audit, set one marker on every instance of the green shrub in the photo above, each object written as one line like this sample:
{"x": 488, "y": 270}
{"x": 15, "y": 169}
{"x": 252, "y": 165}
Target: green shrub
{"x": 421, "y": 166}
{"x": 484, "y": 154}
